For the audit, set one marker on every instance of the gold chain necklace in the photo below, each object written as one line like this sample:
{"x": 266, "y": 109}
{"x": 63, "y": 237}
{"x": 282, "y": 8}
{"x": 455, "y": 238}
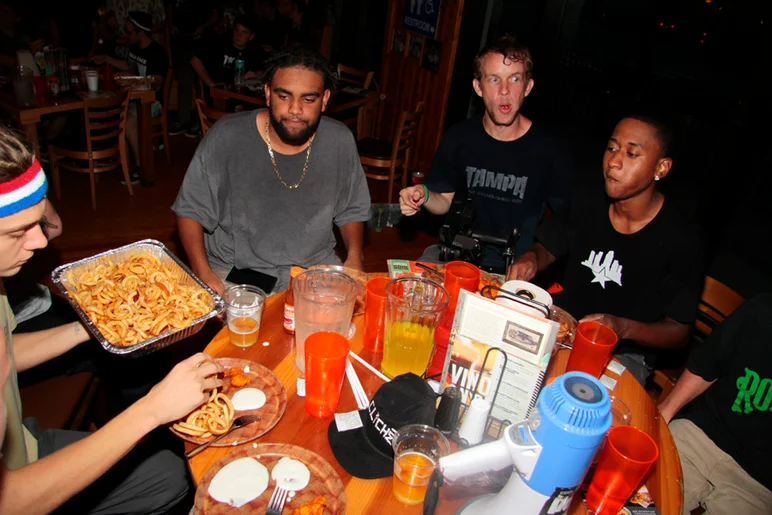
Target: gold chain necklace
{"x": 273, "y": 158}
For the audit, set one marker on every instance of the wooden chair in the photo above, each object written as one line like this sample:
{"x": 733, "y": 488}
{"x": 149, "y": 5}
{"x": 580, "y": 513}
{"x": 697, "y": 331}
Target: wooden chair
{"x": 375, "y": 153}
{"x": 104, "y": 148}
{"x": 717, "y": 302}
{"x": 160, "y": 125}
{"x": 355, "y": 77}
{"x": 207, "y": 115}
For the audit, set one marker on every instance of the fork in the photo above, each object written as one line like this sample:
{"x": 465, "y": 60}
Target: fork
{"x": 239, "y": 422}
{"x": 356, "y": 386}
{"x": 277, "y": 500}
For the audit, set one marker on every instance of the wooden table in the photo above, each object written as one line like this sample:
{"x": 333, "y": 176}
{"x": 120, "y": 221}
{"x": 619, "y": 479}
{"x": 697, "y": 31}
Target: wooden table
{"x": 375, "y": 496}
{"x": 28, "y": 118}
{"x": 339, "y": 103}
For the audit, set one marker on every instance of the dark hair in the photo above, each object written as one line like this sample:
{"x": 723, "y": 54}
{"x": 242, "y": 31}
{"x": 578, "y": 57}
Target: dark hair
{"x": 663, "y": 131}
{"x": 142, "y": 18}
{"x": 510, "y": 49}
{"x": 300, "y": 57}
{"x": 245, "y": 20}
{"x": 15, "y": 157}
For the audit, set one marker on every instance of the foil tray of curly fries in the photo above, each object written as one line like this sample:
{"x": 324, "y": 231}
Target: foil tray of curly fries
{"x": 137, "y": 298}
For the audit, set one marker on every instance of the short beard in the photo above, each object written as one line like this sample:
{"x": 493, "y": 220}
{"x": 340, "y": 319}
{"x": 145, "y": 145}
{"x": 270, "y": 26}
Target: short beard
{"x": 289, "y": 138}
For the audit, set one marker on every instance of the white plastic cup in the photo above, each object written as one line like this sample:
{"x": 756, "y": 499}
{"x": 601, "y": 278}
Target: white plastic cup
{"x": 92, "y": 80}
{"x": 475, "y": 419}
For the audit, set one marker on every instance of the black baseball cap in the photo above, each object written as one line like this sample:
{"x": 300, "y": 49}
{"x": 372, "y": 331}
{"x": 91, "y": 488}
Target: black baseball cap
{"x": 366, "y": 452}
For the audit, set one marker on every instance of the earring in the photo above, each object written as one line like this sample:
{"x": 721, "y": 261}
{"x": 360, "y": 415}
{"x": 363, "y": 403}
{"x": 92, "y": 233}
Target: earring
{"x": 656, "y": 178}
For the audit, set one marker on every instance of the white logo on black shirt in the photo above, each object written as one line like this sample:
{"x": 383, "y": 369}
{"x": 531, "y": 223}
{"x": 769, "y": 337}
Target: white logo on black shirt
{"x": 604, "y": 270}
{"x": 482, "y": 178}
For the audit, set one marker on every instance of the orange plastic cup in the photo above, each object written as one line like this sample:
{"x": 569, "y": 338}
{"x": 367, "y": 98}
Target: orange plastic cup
{"x": 624, "y": 461}
{"x": 460, "y": 275}
{"x": 326, "y": 355}
{"x": 375, "y": 313}
{"x": 592, "y": 348}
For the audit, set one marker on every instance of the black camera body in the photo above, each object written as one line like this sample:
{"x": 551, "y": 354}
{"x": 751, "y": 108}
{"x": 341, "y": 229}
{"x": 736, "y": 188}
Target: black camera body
{"x": 459, "y": 242}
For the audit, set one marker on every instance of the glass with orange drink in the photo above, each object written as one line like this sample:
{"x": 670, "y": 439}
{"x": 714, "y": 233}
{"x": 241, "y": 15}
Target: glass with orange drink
{"x": 417, "y": 450}
{"x": 244, "y": 309}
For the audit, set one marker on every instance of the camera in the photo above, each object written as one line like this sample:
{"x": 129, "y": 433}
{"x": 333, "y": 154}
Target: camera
{"x": 460, "y": 242}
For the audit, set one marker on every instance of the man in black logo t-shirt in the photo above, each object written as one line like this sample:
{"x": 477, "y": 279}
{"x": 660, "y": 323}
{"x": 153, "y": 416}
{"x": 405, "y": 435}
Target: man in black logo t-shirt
{"x": 510, "y": 167}
{"x": 633, "y": 262}
{"x": 722, "y": 432}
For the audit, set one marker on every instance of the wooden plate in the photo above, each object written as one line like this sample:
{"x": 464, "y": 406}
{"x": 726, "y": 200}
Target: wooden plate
{"x": 324, "y": 481}
{"x": 275, "y": 404}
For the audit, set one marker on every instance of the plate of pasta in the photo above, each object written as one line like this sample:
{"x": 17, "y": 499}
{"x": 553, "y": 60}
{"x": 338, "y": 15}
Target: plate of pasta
{"x": 228, "y": 402}
{"x": 137, "y": 298}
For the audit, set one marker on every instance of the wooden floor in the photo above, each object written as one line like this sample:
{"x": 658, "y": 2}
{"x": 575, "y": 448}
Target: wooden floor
{"x": 121, "y": 218}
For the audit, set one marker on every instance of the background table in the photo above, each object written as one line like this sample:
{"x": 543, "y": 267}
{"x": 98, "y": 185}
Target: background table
{"x": 375, "y": 496}
{"x": 340, "y": 102}
{"x": 28, "y": 118}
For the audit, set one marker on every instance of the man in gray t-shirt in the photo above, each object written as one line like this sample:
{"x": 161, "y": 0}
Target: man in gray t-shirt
{"x": 265, "y": 187}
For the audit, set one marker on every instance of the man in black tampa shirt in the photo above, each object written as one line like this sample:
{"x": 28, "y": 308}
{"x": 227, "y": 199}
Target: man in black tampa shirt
{"x": 509, "y": 167}
{"x": 633, "y": 262}
{"x": 722, "y": 432}
{"x": 216, "y": 63}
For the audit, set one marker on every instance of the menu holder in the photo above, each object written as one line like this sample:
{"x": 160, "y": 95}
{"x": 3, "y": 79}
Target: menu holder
{"x": 510, "y": 378}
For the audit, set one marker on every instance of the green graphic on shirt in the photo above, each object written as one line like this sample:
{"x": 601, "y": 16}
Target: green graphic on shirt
{"x": 752, "y": 392}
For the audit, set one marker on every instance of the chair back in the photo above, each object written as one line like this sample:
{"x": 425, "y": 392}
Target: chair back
{"x": 207, "y": 115}
{"x": 354, "y": 76}
{"x": 717, "y": 302}
{"x": 406, "y": 133}
{"x": 105, "y": 118}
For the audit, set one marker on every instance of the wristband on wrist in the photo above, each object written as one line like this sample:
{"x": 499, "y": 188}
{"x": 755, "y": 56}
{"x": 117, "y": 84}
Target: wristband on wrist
{"x": 426, "y": 193}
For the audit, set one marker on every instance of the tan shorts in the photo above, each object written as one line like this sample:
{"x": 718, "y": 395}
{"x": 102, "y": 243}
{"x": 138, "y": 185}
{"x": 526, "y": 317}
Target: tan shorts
{"x": 713, "y": 479}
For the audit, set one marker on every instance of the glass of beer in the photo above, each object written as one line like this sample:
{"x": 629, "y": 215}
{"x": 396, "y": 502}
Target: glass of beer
{"x": 243, "y": 309}
{"x": 417, "y": 451}
{"x": 414, "y": 306}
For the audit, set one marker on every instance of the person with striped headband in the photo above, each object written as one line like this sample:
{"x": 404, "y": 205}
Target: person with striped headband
{"x": 68, "y": 471}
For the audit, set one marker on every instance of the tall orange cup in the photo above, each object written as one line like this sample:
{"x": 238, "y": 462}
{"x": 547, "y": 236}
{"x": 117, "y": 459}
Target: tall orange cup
{"x": 624, "y": 461}
{"x": 460, "y": 275}
{"x": 375, "y": 313}
{"x": 326, "y": 355}
{"x": 592, "y": 348}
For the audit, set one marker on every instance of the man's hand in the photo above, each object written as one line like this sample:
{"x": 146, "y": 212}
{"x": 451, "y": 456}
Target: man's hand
{"x": 184, "y": 389}
{"x": 524, "y": 268}
{"x": 411, "y": 199}
{"x": 354, "y": 262}
{"x": 214, "y": 282}
{"x": 616, "y": 324}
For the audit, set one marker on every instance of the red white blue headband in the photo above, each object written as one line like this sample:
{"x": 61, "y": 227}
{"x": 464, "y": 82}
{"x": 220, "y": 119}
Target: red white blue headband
{"x": 24, "y": 191}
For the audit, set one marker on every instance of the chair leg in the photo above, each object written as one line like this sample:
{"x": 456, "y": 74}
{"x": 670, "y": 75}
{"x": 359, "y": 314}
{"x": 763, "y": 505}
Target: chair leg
{"x": 92, "y": 176}
{"x": 404, "y": 175}
{"x": 125, "y": 166}
{"x": 55, "y": 172}
{"x": 166, "y": 146}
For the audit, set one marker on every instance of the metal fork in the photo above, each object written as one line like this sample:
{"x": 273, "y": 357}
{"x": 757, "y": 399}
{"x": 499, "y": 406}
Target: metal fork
{"x": 239, "y": 422}
{"x": 277, "y": 500}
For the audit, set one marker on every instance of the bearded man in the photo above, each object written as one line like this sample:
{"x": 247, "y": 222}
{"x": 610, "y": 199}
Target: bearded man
{"x": 265, "y": 187}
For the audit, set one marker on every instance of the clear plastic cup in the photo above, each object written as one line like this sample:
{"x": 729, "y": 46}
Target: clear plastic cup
{"x": 243, "y": 311}
{"x": 417, "y": 451}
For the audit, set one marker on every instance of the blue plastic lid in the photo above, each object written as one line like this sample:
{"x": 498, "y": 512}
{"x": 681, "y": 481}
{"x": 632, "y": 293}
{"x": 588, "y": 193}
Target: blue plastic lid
{"x": 578, "y": 402}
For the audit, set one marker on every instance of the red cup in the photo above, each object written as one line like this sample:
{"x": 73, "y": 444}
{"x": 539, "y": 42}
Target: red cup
{"x": 375, "y": 313}
{"x": 592, "y": 348}
{"x": 326, "y": 355}
{"x": 460, "y": 275}
{"x": 624, "y": 461}
{"x": 41, "y": 88}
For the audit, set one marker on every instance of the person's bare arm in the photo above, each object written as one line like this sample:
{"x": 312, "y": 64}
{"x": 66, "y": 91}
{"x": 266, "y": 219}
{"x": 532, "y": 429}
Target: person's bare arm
{"x": 663, "y": 334}
{"x": 31, "y": 349}
{"x": 352, "y": 234}
{"x": 535, "y": 259}
{"x": 43, "y": 485}
{"x": 120, "y": 64}
{"x": 688, "y": 388}
{"x": 412, "y": 198}
{"x": 200, "y": 69}
{"x": 192, "y": 236}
